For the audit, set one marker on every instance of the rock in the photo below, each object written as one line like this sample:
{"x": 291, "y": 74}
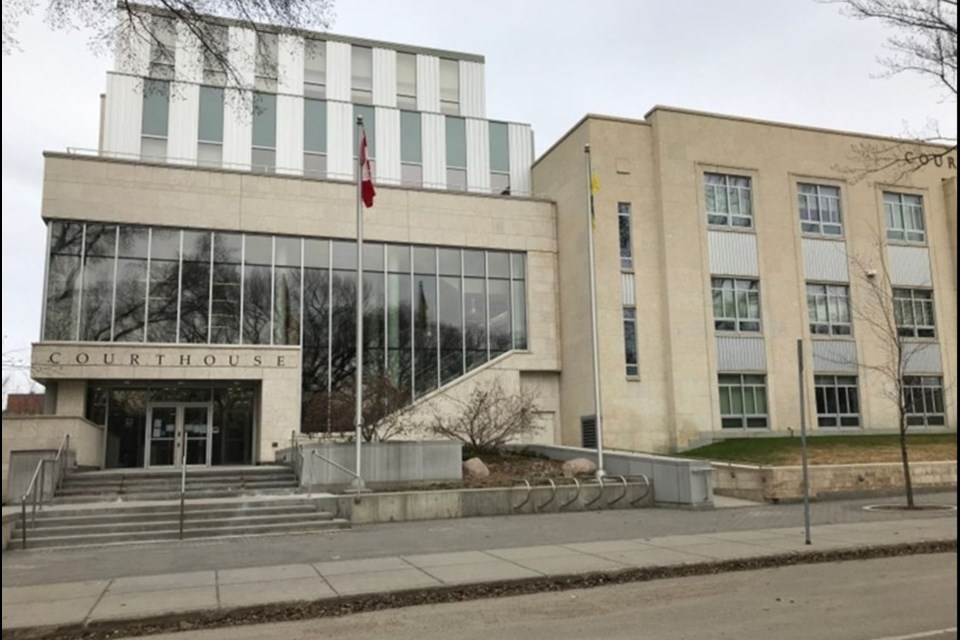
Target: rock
{"x": 578, "y": 467}
{"x": 474, "y": 468}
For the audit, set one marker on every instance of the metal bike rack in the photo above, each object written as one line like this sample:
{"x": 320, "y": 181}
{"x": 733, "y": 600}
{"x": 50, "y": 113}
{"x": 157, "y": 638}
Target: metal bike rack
{"x": 553, "y": 494}
{"x": 526, "y": 499}
{"x": 574, "y": 498}
{"x": 623, "y": 493}
{"x": 646, "y": 482}
{"x": 599, "y": 493}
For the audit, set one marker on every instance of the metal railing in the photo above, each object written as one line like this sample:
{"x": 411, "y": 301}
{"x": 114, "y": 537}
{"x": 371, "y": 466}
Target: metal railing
{"x": 601, "y": 485}
{"x": 35, "y": 493}
{"x": 359, "y": 480}
{"x": 183, "y": 484}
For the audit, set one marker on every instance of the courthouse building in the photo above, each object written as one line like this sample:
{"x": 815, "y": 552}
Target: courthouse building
{"x": 201, "y": 264}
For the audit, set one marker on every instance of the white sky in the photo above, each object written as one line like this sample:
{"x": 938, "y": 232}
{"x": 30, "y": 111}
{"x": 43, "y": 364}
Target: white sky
{"x": 548, "y": 63}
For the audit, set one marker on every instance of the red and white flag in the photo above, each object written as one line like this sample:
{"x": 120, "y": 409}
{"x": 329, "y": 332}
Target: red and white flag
{"x": 367, "y": 192}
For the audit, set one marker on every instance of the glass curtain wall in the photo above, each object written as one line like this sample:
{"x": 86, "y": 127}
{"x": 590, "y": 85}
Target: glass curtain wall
{"x": 430, "y": 313}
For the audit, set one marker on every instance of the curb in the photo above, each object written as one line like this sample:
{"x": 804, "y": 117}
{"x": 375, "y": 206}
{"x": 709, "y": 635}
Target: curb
{"x": 347, "y": 605}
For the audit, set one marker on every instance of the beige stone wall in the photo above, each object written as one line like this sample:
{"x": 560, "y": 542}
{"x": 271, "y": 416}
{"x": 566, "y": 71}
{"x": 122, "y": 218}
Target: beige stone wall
{"x": 47, "y": 432}
{"x": 950, "y": 196}
{"x": 657, "y": 166}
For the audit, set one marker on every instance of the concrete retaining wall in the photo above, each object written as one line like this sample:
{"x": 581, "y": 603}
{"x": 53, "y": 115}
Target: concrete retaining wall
{"x": 9, "y": 524}
{"x": 676, "y": 481}
{"x": 777, "y": 484}
{"x": 32, "y": 433}
{"x": 465, "y": 503}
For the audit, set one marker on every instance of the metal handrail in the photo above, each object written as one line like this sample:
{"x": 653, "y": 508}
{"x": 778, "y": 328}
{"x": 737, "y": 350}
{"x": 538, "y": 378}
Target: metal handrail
{"x": 183, "y": 483}
{"x": 31, "y": 492}
{"x": 314, "y": 452}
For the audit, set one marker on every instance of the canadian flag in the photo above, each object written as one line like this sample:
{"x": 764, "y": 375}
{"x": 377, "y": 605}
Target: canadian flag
{"x": 367, "y": 192}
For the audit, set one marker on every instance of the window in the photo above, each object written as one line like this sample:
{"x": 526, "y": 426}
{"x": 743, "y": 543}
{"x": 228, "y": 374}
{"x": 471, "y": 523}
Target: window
{"x": 736, "y": 304}
{"x": 264, "y": 156}
{"x": 923, "y": 400}
{"x": 913, "y": 311}
{"x": 314, "y": 138}
{"x": 361, "y": 74}
{"x": 449, "y": 87}
{"x": 213, "y": 68}
{"x": 315, "y": 69}
{"x": 820, "y": 209}
{"x": 626, "y": 248}
{"x": 729, "y": 200}
{"x": 904, "y": 214}
{"x": 838, "y": 401}
{"x": 828, "y": 306}
{"x": 456, "y": 154}
{"x": 499, "y": 159}
{"x": 163, "y": 48}
{"x": 411, "y": 150}
{"x": 630, "y": 340}
{"x": 743, "y": 401}
{"x": 210, "y": 128}
{"x": 406, "y": 81}
{"x": 154, "y": 120}
{"x": 265, "y": 65}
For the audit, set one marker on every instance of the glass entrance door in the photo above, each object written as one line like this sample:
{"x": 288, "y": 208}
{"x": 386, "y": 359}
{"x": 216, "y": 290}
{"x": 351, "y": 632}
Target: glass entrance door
{"x": 179, "y": 432}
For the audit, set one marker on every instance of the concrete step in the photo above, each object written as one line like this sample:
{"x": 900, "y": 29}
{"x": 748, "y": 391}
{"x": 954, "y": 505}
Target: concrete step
{"x": 208, "y": 472}
{"x": 81, "y": 480}
{"x": 86, "y": 498}
{"x": 158, "y": 535}
{"x": 67, "y": 490}
{"x": 62, "y": 519}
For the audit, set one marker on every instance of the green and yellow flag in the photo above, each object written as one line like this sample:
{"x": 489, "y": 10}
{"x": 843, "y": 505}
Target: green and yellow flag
{"x": 594, "y": 188}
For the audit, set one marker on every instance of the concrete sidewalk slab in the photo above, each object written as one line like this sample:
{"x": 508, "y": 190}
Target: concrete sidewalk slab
{"x": 574, "y": 563}
{"x": 55, "y": 592}
{"x": 265, "y": 574}
{"x": 163, "y": 582}
{"x": 491, "y": 570}
{"x": 28, "y": 614}
{"x": 143, "y": 604}
{"x": 371, "y": 565}
{"x": 381, "y": 581}
{"x": 245, "y": 594}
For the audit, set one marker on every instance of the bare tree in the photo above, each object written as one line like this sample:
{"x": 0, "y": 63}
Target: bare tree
{"x": 489, "y": 417}
{"x": 386, "y": 409}
{"x": 923, "y": 42}
{"x": 124, "y": 27}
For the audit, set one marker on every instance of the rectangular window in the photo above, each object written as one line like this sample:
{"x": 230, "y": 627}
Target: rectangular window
{"x": 411, "y": 150}
{"x": 286, "y": 290}
{"x": 154, "y": 121}
{"x": 225, "y": 295}
{"x": 265, "y": 67}
{"x": 630, "y": 340}
{"x": 924, "y": 402}
{"x": 449, "y": 87}
{"x": 913, "y": 311}
{"x": 315, "y": 138}
{"x": 130, "y": 302}
{"x": 406, "y": 81}
{"x": 96, "y": 313}
{"x": 820, "y": 209}
{"x": 828, "y": 306}
{"x": 838, "y": 401}
{"x": 456, "y": 153}
{"x": 257, "y": 289}
{"x": 904, "y": 214}
{"x": 214, "y": 72}
{"x": 736, "y": 304}
{"x": 164, "y": 285}
{"x": 743, "y": 401}
{"x": 361, "y": 74}
{"x": 315, "y": 69}
{"x": 210, "y": 128}
{"x": 626, "y": 246}
{"x": 163, "y": 48}
{"x": 729, "y": 200}
{"x": 499, "y": 158}
{"x": 264, "y": 157}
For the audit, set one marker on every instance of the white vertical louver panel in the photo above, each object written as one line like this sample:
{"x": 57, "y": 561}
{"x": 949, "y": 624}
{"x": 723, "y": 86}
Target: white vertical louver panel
{"x": 340, "y": 140}
{"x": 132, "y": 49}
{"x": 520, "y": 140}
{"x": 243, "y": 53}
{"x": 434, "y": 134}
{"x": 478, "y": 155}
{"x": 384, "y": 77}
{"x": 835, "y": 356}
{"x": 183, "y": 121}
{"x": 387, "y": 169}
{"x": 922, "y": 357}
{"x": 290, "y": 135}
{"x": 188, "y": 65}
{"x": 629, "y": 286}
{"x": 289, "y": 67}
{"x": 237, "y": 129}
{"x": 428, "y": 84}
{"x": 338, "y": 71}
{"x": 733, "y": 254}
{"x": 472, "y": 93}
{"x": 741, "y": 354}
{"x": 123, "y": 116}
{"x": 825, "y": 260}
{"x": 910, "y": 266}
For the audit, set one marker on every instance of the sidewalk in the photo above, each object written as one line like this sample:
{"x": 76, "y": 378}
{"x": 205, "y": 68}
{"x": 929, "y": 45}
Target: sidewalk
{"x": 217, "y": 589}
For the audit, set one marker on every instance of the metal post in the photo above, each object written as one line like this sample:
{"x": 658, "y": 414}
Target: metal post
{"x": 23, "y": 522}
{"x": 358, "y": 436}
{"x": 183, "y": 481}
{"x": 803, "y": 444}
{"x": 593, "y": 314}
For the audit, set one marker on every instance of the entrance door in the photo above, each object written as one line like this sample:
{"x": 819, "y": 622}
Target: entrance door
{"x": 178, "y": 432}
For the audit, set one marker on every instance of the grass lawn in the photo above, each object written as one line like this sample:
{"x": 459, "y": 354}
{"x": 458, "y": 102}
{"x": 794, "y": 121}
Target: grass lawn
{"x": 829, "y": 449}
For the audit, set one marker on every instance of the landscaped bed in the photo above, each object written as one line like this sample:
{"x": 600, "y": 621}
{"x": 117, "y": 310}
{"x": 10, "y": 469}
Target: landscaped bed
{"x": 852, "y": 449}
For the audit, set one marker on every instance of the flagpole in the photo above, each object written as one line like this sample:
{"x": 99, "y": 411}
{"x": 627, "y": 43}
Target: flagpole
{"x": 358, "y": 436}
{"x": 593, "y": 313}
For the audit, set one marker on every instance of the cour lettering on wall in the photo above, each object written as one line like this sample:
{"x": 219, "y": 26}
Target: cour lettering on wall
{"x": 939, "y": 160}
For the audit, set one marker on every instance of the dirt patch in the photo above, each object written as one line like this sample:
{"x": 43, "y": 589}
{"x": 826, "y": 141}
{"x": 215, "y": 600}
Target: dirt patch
{"x": 859, "y": 455}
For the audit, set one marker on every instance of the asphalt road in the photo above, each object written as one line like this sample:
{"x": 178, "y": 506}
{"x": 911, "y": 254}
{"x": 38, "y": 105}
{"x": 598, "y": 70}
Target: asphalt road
{"x": 904, "y": 598}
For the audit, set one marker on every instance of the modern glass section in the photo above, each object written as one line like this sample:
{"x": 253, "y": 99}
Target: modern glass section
{"x": 406, "y": 80}
{"x": 154, "y": 120}
{"x": 828, "y": 306}
{"x": 210, "y": 127}
{"x": 820, "y": 209}
{"x": 456, "y": 139}
{"x": 430, "y": 313}
{"x": 743, "y": 401}
{"x": 315, "y": 69}
{"x": 729, "y": 200}
{"x": 449, "y": 86}
{"x": 315, "y": 138}
{"x": 411, "y": 150}
{"x": 904, "y": 215}
{"x": 838, "y": 401}
{"x": 361, "y": 74}
{"x": 264, "y": 152}
{"x": 499, "y": 158}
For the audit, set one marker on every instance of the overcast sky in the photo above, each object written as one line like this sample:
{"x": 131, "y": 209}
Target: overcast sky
{"x": 548, "y": 63}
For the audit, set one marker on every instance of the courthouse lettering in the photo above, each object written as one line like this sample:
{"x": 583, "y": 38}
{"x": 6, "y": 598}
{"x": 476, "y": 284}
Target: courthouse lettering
{"x": 88, "y": 358}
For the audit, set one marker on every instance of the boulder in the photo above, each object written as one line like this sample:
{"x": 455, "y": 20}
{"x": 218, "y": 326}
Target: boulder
{"x": 579, "y": 467}
{"x": 474, "y": 468}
